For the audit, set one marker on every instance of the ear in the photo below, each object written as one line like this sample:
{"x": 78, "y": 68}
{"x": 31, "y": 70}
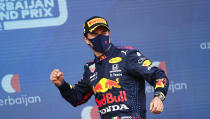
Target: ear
{"x": 86, "y": 40}
{"x": 109, "y": 33}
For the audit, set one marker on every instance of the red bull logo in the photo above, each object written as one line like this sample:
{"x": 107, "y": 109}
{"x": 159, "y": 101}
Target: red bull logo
{"x": 108, "y": 98}
{"x": 105, "y": 84}
{"x": 160, "y": 83}
{"x": 103, "y": 57}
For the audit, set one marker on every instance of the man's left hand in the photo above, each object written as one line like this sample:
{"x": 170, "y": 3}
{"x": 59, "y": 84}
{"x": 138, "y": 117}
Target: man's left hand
{"x": 156, "y": 105}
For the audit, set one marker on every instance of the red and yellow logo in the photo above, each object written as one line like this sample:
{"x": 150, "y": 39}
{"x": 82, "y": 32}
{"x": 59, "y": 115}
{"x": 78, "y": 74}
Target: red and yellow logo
{"x": 95, "y": 21}
{"x": 115, "y": 60}
{"x": 161, "y": 83}
{"x": 146, "y": 63}
{"x": 105, "y": 84}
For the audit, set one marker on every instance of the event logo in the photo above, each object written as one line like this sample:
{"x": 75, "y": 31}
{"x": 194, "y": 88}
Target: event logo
{"x": 205, "y": 45}
{"x": 90, "y": 112}
{"x": 24, "y": 14}
{"x": 11, "y": 83}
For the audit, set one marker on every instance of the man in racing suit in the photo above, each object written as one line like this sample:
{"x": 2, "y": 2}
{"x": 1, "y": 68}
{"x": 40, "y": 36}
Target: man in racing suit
{"x": 116, "y": 77}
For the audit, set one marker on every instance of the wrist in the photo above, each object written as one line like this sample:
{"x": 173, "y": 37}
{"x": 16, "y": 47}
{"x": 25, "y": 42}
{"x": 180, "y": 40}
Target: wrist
{"x": 160, "y": 95}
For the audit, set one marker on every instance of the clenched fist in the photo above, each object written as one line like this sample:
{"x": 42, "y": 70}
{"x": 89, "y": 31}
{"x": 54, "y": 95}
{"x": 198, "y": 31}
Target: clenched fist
{"x": 156, "y": 106}
{"x": 56, "y": 77}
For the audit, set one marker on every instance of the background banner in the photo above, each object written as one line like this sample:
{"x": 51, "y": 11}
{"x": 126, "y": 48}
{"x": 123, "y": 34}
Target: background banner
{"x": 37, "y": 36}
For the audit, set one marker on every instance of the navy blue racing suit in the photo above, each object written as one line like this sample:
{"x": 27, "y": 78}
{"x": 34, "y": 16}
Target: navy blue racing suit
{"x": 117, "y": 79}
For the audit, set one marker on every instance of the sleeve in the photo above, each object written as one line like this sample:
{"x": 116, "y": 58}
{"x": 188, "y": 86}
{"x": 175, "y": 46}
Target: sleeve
{"x": 78, "y": 94}
{"x": 141, "y": 67}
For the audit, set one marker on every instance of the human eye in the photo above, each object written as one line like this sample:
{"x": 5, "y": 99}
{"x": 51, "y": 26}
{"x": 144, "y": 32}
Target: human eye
{"x": 93, "y": 33}
{"x": 105, "y": 32}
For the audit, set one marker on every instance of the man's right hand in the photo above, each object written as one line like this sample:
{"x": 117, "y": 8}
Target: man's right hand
{"x": 56, "y": 77}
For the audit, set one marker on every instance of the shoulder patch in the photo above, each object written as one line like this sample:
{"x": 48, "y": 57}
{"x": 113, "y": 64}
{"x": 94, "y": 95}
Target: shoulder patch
{"x": 146, "y": 63}
{"x": 92, "y": 68}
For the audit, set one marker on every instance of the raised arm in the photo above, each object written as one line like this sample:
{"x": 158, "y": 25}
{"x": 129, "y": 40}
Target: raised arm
{"x": 77, "y": 94}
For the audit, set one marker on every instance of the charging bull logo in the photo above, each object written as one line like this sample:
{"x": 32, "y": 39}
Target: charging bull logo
{"x": 105, "y": 84}
{"x": 107, "y": 99}
{"x": 161, "y": 83}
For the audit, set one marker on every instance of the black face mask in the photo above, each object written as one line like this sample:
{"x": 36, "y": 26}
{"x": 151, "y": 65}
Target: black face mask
{"x": 100, "y": 43}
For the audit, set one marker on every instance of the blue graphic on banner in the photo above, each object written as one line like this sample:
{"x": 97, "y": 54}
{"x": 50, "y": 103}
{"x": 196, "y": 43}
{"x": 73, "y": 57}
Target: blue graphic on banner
{"x": 38, "y": 36}
{"x": 22, "y": 14}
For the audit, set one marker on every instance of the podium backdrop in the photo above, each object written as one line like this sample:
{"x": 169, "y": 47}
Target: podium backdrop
{"x": 37, "y": 36}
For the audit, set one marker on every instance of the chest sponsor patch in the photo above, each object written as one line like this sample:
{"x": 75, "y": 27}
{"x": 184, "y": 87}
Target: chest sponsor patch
{"x": 115, "y": 60}
{"x": 113, "y": 108}
{"x": 115, "y": 71}
{"x": 94, "y": 76}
